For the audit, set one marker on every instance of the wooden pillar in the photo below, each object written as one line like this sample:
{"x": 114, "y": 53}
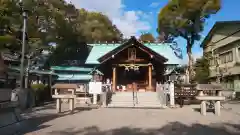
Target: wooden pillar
{"x": 114, "y": 79}
{"x": 150, "y": 76}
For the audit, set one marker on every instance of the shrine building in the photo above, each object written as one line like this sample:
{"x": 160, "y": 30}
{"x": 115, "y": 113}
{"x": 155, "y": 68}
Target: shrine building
{"x": 133, "y": 64}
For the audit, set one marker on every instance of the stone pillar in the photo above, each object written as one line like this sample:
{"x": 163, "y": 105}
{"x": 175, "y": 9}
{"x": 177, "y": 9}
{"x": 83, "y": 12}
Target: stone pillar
{"x": 171, "y": 91}
{"x": 150, "y": 76}
{"x": 71, "y": 104}
{"x": 104, "y": 99}
{"x": 94, "y": 99}
{"x": 114, "y": 79}
{"x": 58, "y": 105}
{"x": 217, "y": 108}
{"x": 203, "y": 108}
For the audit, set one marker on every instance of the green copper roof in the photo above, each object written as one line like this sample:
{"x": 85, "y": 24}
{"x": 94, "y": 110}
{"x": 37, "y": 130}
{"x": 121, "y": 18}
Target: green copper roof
{"x": 43, "y": 72}
{"x": 71, "y": 68}
{"x": 34, "y": 71}
{"x": 98, "y": 50}
{"x": 76, "y": 77}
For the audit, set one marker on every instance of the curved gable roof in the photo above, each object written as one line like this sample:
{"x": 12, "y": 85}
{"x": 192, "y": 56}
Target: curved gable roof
{"x": 163, "y": 49}
{"x": 132, "y": 42}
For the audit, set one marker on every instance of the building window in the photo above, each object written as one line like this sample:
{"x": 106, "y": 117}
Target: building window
{"x": 226, "y": 57}
{"x": 212, "y": 62}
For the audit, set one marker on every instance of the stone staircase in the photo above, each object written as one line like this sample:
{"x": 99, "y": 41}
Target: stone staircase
{"x": 139, "y": 100}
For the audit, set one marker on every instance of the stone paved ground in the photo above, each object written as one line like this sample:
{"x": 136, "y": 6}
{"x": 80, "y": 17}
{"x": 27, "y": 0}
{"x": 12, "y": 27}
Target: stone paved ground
{"x": 103, "y": 121}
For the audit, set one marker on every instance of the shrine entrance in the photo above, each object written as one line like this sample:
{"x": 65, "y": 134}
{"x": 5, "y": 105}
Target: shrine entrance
{"x": 132, "y": 67}
{"x": 129, "y": 75}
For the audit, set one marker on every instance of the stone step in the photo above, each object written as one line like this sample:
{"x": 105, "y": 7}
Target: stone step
{"x": 138, "y": 97}
{"x": 154, "y": 94}
{"x": 122, "y": 106}
{"x": 139, "y": 101}
{"x": 142, "y": 99}
{"x": 131, "y": 103}
{"x": 149, "y": 106}
{"x": 134, "y": 106}
{"x": 122, "y": 102}
{"x": 130, "y": 94}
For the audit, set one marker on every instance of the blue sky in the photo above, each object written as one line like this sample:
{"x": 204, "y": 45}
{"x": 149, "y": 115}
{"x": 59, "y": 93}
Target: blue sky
{"x": 133, "y": 17}
{"x": 230, "y": 11}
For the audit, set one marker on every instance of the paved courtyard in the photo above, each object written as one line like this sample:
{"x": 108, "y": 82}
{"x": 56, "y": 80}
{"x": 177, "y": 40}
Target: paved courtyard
{"x": 104, "y": 121}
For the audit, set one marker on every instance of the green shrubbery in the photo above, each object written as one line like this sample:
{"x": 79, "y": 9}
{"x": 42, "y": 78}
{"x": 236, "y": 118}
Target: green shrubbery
{"x": 37, "y": 87}
{"x": 41, "y": 92}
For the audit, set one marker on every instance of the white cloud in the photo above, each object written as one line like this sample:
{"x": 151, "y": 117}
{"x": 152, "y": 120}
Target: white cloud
{"x": 129, "y": 22}
{"x": 154, "y": 4}
{"x": 197, "y": 55}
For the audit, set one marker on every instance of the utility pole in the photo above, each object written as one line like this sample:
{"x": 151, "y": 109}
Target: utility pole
{"x": 24, "y": 14}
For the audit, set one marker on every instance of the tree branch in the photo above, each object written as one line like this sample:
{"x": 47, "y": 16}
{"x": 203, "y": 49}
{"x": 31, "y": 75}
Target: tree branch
{"x": 182, "y": 34}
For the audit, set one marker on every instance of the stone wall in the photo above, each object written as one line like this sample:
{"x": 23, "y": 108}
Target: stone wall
{"x": 5, "y": 95}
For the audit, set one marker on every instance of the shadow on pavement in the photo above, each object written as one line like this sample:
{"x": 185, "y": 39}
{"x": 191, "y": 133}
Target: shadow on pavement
{"x": 36, "y": 122}
{"x": 174, "y": 128}
{"x": 209, "y": 110}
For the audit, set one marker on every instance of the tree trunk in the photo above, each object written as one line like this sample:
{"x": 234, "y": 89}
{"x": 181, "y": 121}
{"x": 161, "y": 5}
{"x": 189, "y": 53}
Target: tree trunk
{"x": 190, "y": 61}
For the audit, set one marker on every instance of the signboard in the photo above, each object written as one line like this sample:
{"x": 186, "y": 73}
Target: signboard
{"x": 95, "y": 87}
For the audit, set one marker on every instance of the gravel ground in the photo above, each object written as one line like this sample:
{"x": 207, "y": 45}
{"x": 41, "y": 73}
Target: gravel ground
{"x": 106, "y": 121}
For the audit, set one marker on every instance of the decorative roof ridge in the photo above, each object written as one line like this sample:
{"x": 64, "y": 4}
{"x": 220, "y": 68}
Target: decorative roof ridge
{"x": 99, "y": 44}
{"x": 71, "y": 66}
{"x": 117, "y": 44}
{"x": 73, "y": 74}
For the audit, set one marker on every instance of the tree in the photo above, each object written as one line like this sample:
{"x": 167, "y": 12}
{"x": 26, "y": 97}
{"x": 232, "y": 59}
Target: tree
{"x": 97, "y": 27}
{"x": 185, "y": 18}
{"x": 54, "y": 22}
{"x": 147, "y": 37}
{"x": 201, "y": 68}
{"x": 90, "y": 27}
{"x": 8, "y": 18}
{"x": 181, "y": 69}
